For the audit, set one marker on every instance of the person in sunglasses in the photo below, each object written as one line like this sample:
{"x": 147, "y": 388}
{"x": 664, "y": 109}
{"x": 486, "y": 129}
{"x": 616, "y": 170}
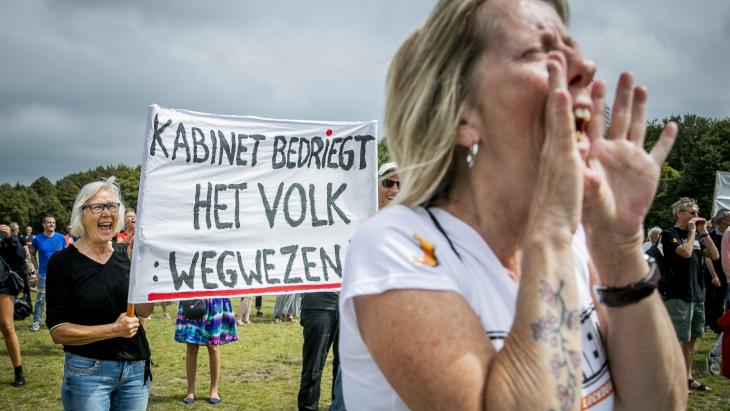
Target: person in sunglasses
{"x": 389, "y": 184}
{"x": 684, "y": 246}
{"x": 87, "y": 304}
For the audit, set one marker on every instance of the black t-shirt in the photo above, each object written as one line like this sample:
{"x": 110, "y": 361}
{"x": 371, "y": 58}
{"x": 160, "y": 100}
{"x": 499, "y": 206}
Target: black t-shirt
{"x": 683, "y": 278}
{"x": 319, "y": 301}
{"x": 81, "y": 291}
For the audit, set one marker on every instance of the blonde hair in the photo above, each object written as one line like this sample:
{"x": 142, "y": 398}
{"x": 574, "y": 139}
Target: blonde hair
{"x": 88, "y": 191}
{"x": 682, "y": 205}
{"x": 430, "y": 83}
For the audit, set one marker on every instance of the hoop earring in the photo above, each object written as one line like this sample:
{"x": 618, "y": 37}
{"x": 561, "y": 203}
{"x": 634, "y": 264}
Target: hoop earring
{"x": 471, "y": 157}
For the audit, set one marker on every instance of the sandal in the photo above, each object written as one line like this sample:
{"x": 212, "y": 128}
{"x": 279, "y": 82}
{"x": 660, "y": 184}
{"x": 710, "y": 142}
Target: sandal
{"x": 697, "y": 386}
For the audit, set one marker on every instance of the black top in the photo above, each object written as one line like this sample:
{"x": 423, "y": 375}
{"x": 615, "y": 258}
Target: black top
{"x": 12, "y": 251}
{"x": 81, "y": 291}
{"x": 320, "y": 301}
{"x": 656, "y": 253}
{"x": 683, "y": 276}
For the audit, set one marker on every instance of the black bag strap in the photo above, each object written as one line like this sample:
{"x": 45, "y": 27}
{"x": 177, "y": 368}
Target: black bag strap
{"x": 442, "y": 231}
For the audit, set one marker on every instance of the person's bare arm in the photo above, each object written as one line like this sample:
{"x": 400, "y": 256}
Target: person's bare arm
{"x": 645, "y": 360}
{"x": 725, "y": 257}
{"x": 436, "y": 355}
{"x": 644, "y": 372}
{"x": 710, "y": 250}
{"x": 76, "y": 334}
{"x": 713, "y": 274}
{"x": 144, "y": 310}
{"x": 685, "y": 250}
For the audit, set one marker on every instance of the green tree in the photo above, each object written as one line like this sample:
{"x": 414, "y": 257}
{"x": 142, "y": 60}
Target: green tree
{"x": 67, "y": 191}
{"x": 700, "y": 151}
{"x": 383, "y": 154}
{"x": 43, "y": 187}
{"x": 660, "y": 213}
{"x": 15, "y": 205}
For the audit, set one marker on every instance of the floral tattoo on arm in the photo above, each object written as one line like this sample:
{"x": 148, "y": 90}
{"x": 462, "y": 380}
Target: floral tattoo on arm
{"x": 550, "y": 328}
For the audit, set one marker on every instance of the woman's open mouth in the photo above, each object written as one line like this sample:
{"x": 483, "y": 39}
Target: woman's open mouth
{"x": 582, "y": 116}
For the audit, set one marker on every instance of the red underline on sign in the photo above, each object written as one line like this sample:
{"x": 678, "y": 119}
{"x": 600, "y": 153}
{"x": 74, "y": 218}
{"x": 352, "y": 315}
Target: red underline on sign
{"x": 233, "y": 293}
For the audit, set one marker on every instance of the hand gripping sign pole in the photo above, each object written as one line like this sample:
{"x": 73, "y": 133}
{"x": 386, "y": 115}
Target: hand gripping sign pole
{"x": 130, "y": 245}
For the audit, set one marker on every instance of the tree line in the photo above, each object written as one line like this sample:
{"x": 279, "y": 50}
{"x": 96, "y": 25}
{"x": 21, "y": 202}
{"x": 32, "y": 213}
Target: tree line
{"x": 702, "y": 148}
{"x": 27, "y": 205}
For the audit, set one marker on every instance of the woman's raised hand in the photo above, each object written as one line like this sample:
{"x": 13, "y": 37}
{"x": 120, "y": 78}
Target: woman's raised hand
{"x": 621, "y": 178}
{"x": 559, "y": 193}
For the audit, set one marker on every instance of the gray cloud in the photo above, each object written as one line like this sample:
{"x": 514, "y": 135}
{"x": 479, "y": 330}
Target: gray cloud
{"x": 77, "y": 76}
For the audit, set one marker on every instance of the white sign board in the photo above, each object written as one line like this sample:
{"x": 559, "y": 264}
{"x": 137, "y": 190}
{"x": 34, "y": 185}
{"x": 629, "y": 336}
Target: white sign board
{"x": 232, "y": 206}
{"x": 721, "y": 199}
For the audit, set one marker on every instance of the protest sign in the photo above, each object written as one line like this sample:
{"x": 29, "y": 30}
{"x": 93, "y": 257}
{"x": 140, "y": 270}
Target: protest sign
{"x": 232, "y": 206}
{"x": 721, "y": 197}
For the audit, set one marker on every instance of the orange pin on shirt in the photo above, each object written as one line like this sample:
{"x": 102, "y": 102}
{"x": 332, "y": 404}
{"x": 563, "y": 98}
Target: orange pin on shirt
{"x": 429, "y": 256}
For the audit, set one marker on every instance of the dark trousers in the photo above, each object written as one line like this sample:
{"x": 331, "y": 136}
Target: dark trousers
{"x": 714, "y": 305}
{"x": 259, "y": 301}
{"x": 320, "y": 333}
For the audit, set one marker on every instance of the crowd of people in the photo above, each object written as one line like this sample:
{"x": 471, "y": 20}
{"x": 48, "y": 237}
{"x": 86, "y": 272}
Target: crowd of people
{"x": 506, "y": 269}
{"x": 693, "y": 257}
{"x": 85, "y": 309}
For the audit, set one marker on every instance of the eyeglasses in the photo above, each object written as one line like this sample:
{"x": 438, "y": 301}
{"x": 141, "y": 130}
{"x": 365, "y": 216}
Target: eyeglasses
{"x": 691, "y": 212}
{"x": 98, "y": 208}
{"x": 388, "y": 183}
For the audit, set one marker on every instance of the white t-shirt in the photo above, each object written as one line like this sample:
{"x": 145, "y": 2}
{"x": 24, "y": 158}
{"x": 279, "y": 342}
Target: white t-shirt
{"x": 383, "y": 256}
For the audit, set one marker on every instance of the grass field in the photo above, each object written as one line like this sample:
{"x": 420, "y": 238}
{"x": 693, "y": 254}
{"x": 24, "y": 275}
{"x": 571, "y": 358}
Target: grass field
{"x": 259, "y": 372}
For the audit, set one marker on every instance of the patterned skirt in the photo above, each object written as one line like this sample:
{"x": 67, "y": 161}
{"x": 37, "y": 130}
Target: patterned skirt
{"x": 218, "y": 327}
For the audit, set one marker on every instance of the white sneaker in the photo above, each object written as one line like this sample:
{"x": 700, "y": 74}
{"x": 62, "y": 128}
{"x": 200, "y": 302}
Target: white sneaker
{"x": 712, "y": 364}
{"x": 36, "y": 326}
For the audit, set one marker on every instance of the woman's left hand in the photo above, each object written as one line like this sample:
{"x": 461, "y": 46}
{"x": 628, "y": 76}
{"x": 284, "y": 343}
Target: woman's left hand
{"x": 620, "y": 182}
{"x": 621, "y": 178}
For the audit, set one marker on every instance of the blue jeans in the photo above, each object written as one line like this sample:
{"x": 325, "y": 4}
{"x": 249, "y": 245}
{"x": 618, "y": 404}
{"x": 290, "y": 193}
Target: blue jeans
{"x": 338, "y": 401}
{"x": 40, "y": 299}
{"x": 91, "y": 385}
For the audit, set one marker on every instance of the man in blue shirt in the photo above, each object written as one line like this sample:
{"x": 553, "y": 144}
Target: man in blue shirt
{"x": 46, "y": 244}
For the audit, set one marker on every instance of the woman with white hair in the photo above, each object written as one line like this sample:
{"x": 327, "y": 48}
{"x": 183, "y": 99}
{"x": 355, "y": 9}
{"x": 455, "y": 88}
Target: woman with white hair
{"x": 652, "y": 238}
{"x": 474, "y": 290}
{"x": 107, "y": 356}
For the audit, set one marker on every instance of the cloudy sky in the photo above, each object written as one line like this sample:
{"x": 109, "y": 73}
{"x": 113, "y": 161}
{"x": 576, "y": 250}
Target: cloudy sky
{"x": 76, "y": 77}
